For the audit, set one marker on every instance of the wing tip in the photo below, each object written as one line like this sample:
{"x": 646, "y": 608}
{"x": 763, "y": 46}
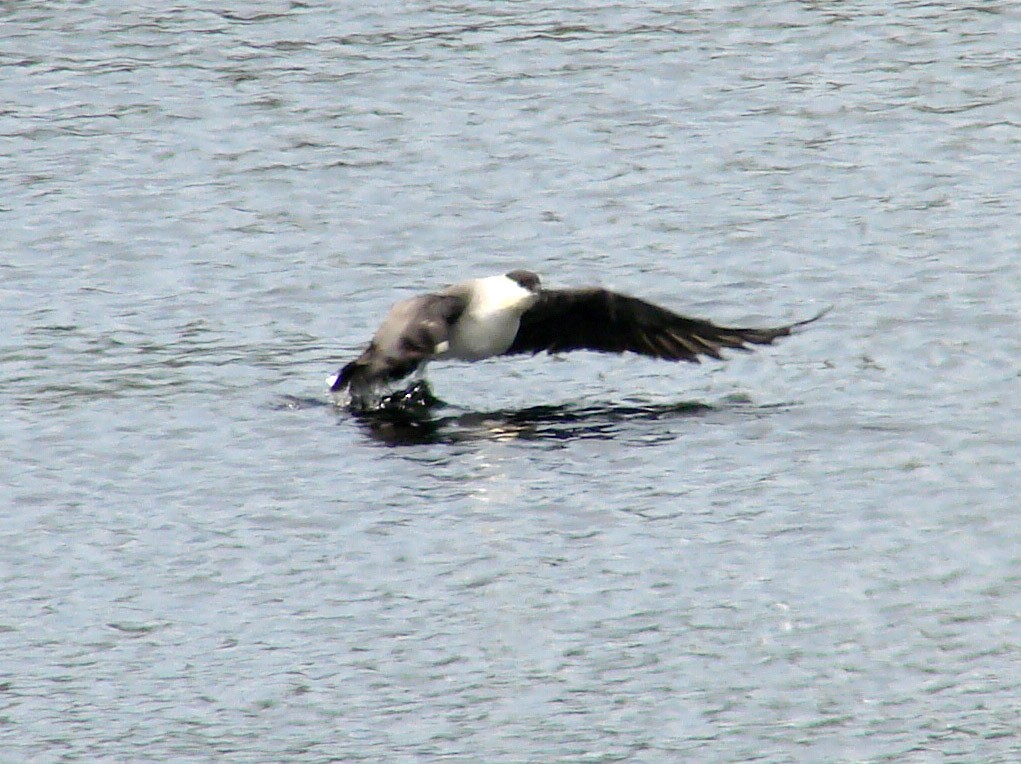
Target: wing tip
{"x": 825, "y": 311}
{"x": 787, "y": 330}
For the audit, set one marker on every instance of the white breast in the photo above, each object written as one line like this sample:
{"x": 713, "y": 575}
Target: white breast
{"x": 490, "y": 323}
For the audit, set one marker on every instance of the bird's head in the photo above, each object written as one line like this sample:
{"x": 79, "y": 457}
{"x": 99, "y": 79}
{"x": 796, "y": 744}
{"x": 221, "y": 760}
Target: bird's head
{"x": 530, "y": 283}
{"x": 526, "y": 280}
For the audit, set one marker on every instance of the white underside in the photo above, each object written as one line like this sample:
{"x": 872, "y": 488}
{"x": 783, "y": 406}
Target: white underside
{"x": 490, "y": 323}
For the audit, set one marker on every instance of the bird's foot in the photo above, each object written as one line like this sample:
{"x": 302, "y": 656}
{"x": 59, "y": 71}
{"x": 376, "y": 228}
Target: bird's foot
{"x": 418, "y": 396}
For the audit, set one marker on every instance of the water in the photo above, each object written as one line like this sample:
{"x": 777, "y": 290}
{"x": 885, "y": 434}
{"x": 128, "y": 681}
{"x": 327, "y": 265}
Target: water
{"x": 809, "y": 553}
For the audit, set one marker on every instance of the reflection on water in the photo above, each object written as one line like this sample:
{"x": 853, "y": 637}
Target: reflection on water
{"x": 565, "y": 422}
{"x": 396, "y": 425}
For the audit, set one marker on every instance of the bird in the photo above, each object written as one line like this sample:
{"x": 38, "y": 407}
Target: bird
{"x": 513, "y": 314}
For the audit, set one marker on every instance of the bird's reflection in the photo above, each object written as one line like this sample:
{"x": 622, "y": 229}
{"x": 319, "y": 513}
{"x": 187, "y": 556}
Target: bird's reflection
{"x": 414, "y": 416}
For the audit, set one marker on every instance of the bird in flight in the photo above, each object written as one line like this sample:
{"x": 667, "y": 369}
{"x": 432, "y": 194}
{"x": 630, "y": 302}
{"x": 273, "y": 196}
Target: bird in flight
{"x": 513, "y": 314}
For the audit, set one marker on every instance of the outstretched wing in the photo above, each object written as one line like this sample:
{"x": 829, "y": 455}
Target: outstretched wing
{"x": 597, "y": 319}
{"x": 413, "y": 332}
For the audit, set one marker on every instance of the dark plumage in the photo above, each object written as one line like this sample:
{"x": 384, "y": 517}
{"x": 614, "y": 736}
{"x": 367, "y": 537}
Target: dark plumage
{"x": 608, "y": 322}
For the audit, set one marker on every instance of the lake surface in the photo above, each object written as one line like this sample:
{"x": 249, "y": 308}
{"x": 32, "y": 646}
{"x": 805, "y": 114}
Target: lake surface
{"x": 808, "y": 553}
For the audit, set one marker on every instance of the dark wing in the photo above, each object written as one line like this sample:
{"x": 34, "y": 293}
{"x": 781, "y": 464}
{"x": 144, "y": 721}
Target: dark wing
{"x": 596, "y": 319}
{"x": 407, "y": 337}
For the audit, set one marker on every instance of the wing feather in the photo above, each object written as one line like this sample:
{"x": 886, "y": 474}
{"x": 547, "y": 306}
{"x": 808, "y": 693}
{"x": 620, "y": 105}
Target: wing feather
{"x": 608, "y": 322}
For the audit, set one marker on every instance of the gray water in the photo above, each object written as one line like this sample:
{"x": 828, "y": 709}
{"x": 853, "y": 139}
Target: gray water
{"x": 809, "y": 553}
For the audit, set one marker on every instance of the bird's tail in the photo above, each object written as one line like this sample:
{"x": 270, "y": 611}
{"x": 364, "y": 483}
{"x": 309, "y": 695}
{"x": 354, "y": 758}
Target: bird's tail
{"x": 358, "y": 380}
{"x": 360, "y": 375}
{"x": 346, "y": 377}
{"x": 367, "y": 376}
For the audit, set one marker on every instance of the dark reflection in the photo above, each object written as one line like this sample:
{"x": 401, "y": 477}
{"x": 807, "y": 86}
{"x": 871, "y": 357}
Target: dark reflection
{"x": 415, "y": 416}
{"x": 566, "y": 422}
